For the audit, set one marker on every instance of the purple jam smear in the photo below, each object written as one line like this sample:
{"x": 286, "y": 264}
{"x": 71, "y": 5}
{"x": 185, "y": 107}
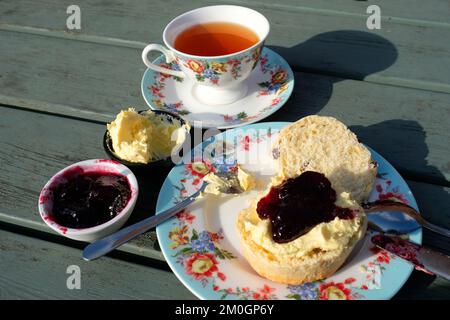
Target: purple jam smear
{"x": 299, "y": 204}
{"x": 400, "y": 247}
{"x": 88, "y": 199}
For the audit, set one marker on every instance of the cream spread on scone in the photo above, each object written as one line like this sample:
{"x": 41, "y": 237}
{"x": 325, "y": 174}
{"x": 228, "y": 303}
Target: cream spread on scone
{"x": 333, "y": 235}
{"x": 219, "y": 184}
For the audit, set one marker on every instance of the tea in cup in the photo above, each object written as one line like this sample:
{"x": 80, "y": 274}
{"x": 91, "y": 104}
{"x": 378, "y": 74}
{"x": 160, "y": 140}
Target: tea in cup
{"x": 216, "y": 48}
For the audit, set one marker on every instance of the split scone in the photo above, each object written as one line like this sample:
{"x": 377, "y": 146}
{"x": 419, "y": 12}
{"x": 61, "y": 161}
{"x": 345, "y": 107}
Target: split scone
{"x": 308, "y": 222}
{"x": 326, "y": 145}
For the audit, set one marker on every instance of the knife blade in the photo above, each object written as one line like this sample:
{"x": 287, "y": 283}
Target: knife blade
{"x": 423, "y": 258}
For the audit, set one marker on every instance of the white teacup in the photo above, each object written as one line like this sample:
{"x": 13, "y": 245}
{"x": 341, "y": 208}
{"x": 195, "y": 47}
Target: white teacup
{"x": 217, "y": 79}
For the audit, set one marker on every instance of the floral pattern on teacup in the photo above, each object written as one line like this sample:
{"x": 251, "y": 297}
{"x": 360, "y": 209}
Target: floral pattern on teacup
{"x": 159, "y": 94}
{"x": 214, "y": 72}
{"x": 207, "y": 71}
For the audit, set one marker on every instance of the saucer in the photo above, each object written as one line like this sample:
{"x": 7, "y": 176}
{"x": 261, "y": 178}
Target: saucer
{"x": 269, "y": 87}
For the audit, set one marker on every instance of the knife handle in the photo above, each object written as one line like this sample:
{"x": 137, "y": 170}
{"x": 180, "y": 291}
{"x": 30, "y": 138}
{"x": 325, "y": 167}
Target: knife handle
{"x": 434, "y": 261}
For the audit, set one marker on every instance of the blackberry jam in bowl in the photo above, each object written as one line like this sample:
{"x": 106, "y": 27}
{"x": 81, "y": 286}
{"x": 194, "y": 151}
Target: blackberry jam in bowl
{"x": 89, "y": 199}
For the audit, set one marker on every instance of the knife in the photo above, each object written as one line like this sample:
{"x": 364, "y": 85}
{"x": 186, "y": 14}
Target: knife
{"x": 423, "y": 258}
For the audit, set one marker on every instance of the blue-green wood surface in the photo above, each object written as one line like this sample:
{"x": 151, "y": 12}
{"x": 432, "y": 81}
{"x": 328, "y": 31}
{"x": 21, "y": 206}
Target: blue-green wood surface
{"x": 59, "y": 87}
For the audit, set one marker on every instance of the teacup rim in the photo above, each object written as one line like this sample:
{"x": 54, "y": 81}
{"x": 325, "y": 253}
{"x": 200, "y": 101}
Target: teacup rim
{"x": 256, "y": 45}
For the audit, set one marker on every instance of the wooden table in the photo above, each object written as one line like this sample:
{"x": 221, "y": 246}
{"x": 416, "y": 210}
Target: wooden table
{"x": 60, "y": 87}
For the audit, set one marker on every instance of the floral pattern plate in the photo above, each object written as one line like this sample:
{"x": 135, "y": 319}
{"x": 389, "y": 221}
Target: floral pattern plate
{"x": 269, "y": 87}
{"x": 201, "y": 243}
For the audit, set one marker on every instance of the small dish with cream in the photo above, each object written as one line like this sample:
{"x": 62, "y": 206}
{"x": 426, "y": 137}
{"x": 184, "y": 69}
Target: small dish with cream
{"x": 145, "y": 139}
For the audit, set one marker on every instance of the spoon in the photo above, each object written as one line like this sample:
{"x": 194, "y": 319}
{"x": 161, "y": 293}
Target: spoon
{"x": 396, "y": 206}
{"x": 109, "y": 243}
{"x": 103, "y": 246}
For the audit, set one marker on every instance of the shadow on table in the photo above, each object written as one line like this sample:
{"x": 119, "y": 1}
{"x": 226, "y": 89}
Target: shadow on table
{"x": 407, "y": 139}
{"x": 390, "y": 137}
{"x": 149, "y": 186}
{"x": 418, "y": 282}
{"x": 356, "y": 55}
{"x": 338, "y": 54}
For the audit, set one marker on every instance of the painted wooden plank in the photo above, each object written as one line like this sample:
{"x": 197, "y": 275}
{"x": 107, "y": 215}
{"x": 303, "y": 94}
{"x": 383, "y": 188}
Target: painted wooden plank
{"x": 311, "y": 40}
{"x": 424, "y": 287}
{"x": 36, "y": 269}
{"x": 31, "y": 152}
{"x": 413, "y": 12}
{"x": 434, "y": 205}
{"x": 407, "y": 11}
{"x": 99, "y": 80}
{"x": 35, "y": 146}
{"x": 398, "y": 123}
{"x": 39, "y": 73}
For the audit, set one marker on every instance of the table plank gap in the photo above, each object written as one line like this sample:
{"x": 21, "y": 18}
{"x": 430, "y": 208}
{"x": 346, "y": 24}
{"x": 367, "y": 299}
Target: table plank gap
{"x": 93, "y": 117}
{"x": 32, "y": 145}
{"x": 375, "y": 78}
{"x": 88, "y": 89}
{"x": 142, "y": 246}
{"x": 59, "y": 110}
{"x": 333, "y": 43}
{"x": 297, "y": 7}
{"x": 72, "y": 36}
{"x": 34, "y": 260}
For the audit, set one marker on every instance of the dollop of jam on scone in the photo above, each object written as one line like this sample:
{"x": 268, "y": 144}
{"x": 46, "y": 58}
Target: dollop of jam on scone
{"x": 299, "y": 204}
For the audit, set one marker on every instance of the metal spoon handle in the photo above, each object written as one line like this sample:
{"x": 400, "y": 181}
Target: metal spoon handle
{"x": 389, "y": 205}
{"x": 103, "y": 246}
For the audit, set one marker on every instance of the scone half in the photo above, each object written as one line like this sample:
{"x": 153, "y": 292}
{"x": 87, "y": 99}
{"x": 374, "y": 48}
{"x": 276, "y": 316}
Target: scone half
{"x": 316, "y": 255}
{"x": 326, "y": 145}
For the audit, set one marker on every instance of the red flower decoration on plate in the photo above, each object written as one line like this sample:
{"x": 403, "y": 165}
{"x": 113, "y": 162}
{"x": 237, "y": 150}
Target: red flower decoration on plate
{"x": 389, "y": 193}
{"x": 221, "y": 276}
{"x": 185, "y": 216}
{"x": 334, "y": 291}
{"x": 382, "y": 255}
{"x": 201, "y": 265}
{"x": 392, "y": 195}
{"x": 263, "y": 293}
{"x": 245, "y": 142}
{"x": 199, "y": 168}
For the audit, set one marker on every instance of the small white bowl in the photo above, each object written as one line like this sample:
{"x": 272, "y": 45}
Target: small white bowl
{"x": 101, "y": 230}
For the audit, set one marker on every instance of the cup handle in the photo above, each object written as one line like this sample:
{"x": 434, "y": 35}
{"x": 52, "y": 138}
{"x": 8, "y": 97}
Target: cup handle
{"x": 169, "y": 58}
